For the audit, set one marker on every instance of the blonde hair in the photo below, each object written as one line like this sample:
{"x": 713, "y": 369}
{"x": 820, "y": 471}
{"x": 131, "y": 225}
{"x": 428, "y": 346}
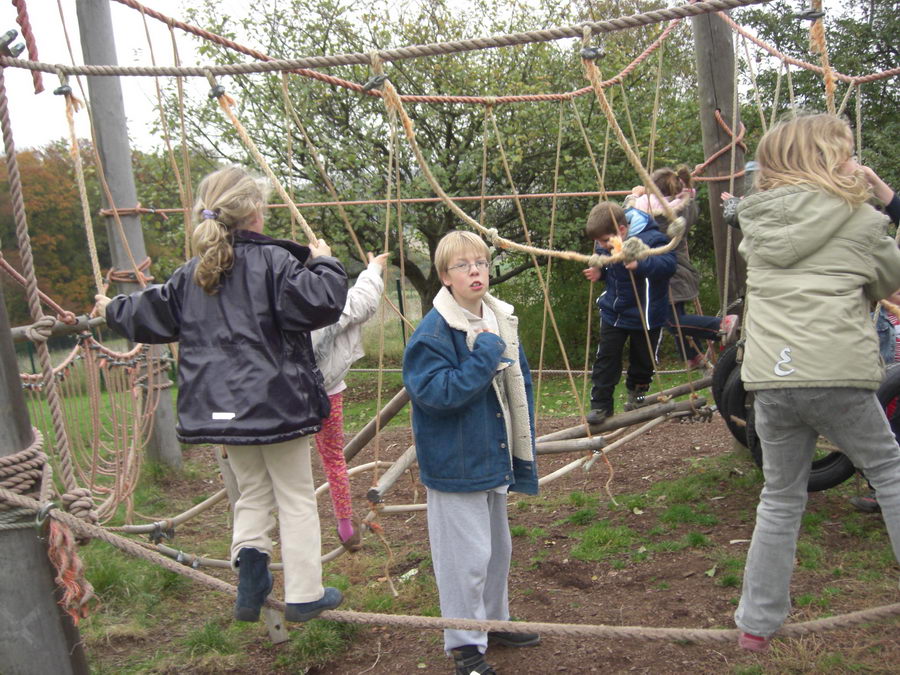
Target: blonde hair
{"x": 455, "y": 243}
{"x": 605, "y": 218}
{"x": 809, "y": 149}
{"x": 227, "y": 200}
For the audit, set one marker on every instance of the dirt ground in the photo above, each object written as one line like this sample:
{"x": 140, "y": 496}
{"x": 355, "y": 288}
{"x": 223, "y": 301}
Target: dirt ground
{"x": 668, "y": 589}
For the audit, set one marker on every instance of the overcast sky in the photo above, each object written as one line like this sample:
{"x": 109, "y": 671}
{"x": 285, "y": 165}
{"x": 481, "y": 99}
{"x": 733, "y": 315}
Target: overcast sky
{"x": 39, "y": 119}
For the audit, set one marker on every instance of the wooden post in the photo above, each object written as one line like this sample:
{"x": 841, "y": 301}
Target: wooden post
{"x": 99, "y": 48}
{"x": 36, "y": 636}
{"x": 714, "y": 54}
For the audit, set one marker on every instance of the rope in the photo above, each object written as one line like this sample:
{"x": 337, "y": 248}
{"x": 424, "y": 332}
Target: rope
{"x": 818, "y": 45}
{"x": 28, "y": 36}
{"x": 353, "y": 86}
{"x": 872, "y": 77}
{"x": 634, "y": 632}
{"x": 392, "y": 100}
{"x": 225, "y": 102}
{"x": 63, "y": 315}
{"x": 72, "y": 106}
{"x": 401, "y": 53}
{"x": 34, "y": 303}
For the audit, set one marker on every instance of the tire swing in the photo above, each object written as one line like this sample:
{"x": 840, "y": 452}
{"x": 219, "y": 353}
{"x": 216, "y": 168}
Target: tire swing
{"x": 736, "y": 409}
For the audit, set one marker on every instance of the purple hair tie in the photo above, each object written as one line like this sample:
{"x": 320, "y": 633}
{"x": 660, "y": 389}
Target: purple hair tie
{"x": 209, "y": 214}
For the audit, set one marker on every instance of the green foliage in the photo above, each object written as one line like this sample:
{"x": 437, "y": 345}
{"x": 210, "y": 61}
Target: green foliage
{"x": 211, "y": 638}
{"x": 318, "y": 643}
{"x": 602, "y": 540}
{"x": 354, "y": 137}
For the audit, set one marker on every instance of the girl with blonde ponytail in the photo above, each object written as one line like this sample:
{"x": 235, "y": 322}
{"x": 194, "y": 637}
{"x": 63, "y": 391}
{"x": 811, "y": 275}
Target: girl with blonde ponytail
{"x": 817, "y": 256}
{"x": 242, "y": 311}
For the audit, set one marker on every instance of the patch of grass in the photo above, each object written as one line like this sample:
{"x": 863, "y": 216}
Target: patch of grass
{"x": 583, "y": 500}
{"x": 809, "y": 555}
{"x": 320, "y": 642}
{"x": 696, "y": 540}
{"x": 378, "y": 602}
{"x": 339, "y": 581}
{"x": 127, "y": 584}
{"x": 812, "y": 522}
{"x": 602, "y": 540}
{"x": 693, "y": 514}
{"x": 211, "y": 638}
{"x": 518, "y": 530}
{"x": 582, "y": 517}
{"x": 729, "y": 580}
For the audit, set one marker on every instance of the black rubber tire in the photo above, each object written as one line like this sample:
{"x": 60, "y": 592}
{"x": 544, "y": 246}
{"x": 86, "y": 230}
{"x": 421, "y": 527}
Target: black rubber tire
{"x": 726, "y": 363}
{"x": 732, "y": 402}
{"x": 889, "y": 397}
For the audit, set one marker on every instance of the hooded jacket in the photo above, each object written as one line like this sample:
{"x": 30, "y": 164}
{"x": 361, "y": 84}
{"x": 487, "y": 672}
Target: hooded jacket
{"x": 814, "y": 266}
{"x": 246, "y": 372}
{"x": 459, "y": 423}
{"x": 618, "y": 305}
{"x": 339, "y": 346}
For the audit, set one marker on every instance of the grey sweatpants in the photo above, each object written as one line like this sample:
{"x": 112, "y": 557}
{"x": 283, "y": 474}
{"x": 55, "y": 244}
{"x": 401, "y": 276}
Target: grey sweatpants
{"x": 788, "y": 422}
{"x": 470, "y": 550}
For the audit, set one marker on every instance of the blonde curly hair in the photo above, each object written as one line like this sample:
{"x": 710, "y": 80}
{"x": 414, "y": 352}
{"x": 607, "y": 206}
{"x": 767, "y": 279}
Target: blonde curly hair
{"x": 228, "y": 199}
{"x": 810, "y": 150}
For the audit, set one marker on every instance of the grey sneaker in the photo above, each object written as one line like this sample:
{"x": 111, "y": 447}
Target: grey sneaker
{"x": 636, "y": 398}
{"x": 304, "y": 611}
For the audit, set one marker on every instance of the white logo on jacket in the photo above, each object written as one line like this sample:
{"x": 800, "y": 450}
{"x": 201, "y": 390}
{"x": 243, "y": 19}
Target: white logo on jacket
{"x": 785, "y": 359}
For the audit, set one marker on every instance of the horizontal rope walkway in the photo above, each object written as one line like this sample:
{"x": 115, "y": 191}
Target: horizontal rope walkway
{"x": 84, "y": 529}
{"x": 407, "y": 98}
{"x": 399, "y": 54}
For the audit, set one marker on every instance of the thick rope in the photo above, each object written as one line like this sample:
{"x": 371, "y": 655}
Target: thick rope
{"x": 819, "y": 46}
{"x": 225, "y": 103}
{"x": 635, "y": 632}
{"x": 34, "y": 303}
{"x": 30, "y": 44}
{"x": 415, "y": 51}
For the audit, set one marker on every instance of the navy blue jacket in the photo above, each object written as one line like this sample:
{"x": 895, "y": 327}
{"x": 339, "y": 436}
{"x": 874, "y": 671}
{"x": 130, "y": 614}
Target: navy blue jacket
{"x": 458, "y": 423}
{"x": 618, "y": 306}
{"x": 246, "y": 371}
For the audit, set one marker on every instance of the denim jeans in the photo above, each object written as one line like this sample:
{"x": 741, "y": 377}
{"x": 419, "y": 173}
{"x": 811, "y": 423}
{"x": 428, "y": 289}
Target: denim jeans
{"x": 788, "y": 422}
{"x": 697, "y": 326}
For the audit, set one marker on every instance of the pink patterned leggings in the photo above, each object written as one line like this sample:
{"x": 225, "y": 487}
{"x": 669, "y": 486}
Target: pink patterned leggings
{"x": 330, "y": 444}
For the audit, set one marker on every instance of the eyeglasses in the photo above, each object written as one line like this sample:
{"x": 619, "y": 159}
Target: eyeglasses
{"x": 481, "y": 265}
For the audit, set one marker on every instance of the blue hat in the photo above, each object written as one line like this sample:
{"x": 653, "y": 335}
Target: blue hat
{"x": 751, "y": 166}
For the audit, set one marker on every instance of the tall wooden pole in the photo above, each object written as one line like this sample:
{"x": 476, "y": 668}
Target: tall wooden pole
{"x": 714, "y": 54}
{"x": 36, "y": 636}
{"x": 99, "y": 48}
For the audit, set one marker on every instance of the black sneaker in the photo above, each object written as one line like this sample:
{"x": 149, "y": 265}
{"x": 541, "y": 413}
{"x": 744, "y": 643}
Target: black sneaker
{"x": 598, "y": 416}
{"x": 514, "y": 639}
{"x": 470, "y": 661}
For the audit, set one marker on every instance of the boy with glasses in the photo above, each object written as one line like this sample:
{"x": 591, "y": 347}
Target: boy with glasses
{"x": 473, "y": 422}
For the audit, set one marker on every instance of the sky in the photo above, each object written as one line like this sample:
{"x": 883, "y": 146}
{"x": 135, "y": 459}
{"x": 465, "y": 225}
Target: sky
{"x": 40, "y": 119}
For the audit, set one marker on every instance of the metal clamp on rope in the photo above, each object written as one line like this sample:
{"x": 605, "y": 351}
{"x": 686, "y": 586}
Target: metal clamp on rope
{"x": 374, "y": 497}
{"x": 63, "y": 90}
{"x": 40, "y": 519}
{"x": 217, "y": 92}
{"x": 592, "y": 53}
{"x": 810, "y": 14}
{"x": 5, "y": 42}
{"x": 375, "y": 82}
{"x": 159, "y": 532}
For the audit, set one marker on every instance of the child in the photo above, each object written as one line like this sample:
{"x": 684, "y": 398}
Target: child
{"x": 336, "y": 348}
{"x": 623, "y": 316}
{"x": 242, "y": 310}
{"x": 816, "y": 254}
{"x": 473, "y": 421}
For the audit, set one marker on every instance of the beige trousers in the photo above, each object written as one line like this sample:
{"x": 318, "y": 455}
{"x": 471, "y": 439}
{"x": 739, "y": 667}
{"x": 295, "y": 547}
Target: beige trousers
{"x": 279, "y": 476}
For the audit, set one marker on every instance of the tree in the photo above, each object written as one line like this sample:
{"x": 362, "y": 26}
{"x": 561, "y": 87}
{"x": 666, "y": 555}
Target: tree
{"x": 56, "y": 229}
{"x": 862, "y": 39}
{"x": 353, "y": 136}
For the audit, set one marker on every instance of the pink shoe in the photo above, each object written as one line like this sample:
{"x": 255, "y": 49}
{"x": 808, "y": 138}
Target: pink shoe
{"x": 729, "y": 328}
{"x": 753, "y": 643}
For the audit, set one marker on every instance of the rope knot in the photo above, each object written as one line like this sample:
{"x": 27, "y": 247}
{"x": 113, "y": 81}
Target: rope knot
{"x": 80, "y": 503}
{"x": 635, "y": 249}
{"x": 676, "y": 228}
{"x": 41, "y": 330}
{"x": 597, "y": 260}
{"x": 493, "y": 235}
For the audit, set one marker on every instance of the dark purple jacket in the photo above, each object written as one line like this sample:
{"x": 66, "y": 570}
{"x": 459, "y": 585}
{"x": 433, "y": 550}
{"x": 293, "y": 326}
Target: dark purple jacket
{"x": 246, "y": 371}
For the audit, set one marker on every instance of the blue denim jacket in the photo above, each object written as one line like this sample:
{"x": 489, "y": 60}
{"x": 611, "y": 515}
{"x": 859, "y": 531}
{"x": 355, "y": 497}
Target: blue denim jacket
{"x": 458, "y": 422}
